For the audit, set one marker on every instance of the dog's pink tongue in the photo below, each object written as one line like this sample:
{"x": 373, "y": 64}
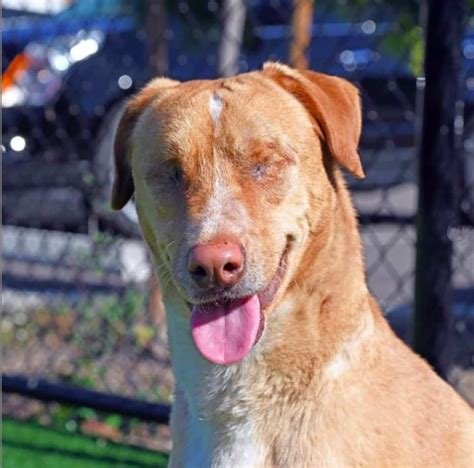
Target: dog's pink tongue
{"x": 226, "y": 334}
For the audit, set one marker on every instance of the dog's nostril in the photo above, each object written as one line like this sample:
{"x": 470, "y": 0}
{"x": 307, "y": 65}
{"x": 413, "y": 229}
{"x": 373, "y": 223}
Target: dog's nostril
{"x": 230, "y": 267}
{"x": 199, "y": 271}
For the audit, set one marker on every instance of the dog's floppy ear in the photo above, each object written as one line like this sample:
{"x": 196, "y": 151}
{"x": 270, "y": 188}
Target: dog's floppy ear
{"x": 335, "y": 105}
{"x": 122, "y": 189}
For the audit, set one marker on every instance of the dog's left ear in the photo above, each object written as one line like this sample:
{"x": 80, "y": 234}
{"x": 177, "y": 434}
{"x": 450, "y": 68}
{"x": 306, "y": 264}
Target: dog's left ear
{"x": 335, "y": 105}
{"x": 123, "y": 188}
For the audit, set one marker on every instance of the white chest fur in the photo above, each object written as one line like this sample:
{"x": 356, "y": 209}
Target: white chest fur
{"x": 222, "y": 446}
{"x": 212, "y": 426}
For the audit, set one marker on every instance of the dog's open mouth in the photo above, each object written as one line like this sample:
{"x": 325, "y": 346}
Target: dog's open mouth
{"x": 225, "y": 332}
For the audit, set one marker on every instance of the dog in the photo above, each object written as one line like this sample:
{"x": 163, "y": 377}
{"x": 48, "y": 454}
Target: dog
{"x": 281, "y": 356}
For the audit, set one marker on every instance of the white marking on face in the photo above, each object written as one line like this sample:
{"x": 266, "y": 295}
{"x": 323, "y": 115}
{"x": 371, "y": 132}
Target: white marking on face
{"x": 225, "y": 214}
{"x": 215, "y": 208}
{"x": 215, "y": 108}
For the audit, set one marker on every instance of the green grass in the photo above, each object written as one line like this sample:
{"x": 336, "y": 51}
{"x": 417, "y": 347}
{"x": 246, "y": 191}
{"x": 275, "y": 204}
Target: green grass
{"x": 27, "y": 445}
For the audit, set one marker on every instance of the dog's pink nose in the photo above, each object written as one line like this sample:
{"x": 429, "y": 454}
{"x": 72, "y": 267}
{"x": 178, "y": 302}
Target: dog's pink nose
{"x": 216, "y": 264}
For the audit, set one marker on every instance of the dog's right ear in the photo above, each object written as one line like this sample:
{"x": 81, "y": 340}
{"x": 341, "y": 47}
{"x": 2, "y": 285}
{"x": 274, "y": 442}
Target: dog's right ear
{"x": 122, "y": 189}
{"x": 333, "y": 103}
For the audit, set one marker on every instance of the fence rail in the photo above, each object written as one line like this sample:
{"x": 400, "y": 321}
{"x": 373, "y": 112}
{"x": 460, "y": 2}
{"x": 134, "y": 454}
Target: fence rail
{"x": 43, "y": 390}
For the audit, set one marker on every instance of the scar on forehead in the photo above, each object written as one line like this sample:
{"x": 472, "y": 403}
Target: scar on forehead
{"x": 215, "y": 108}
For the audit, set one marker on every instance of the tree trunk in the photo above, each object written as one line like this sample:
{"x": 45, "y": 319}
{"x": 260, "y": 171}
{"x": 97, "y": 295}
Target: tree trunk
{"x": 155, "y": 30}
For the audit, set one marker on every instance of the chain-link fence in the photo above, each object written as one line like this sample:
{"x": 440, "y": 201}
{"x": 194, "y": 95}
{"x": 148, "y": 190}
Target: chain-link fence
{"x": 80, "y": 305}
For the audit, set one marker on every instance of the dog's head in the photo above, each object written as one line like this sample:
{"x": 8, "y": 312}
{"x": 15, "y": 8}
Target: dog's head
{"x": 231, "y": 177}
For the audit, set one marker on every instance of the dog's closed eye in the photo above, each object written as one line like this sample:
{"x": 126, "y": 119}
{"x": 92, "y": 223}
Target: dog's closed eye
{"x": 259, "y": 171}
{"x": 269, "y": 166}
{"x": 174, "y": 175}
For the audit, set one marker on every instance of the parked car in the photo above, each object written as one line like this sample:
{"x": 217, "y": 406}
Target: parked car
{"x": 70, "y": 79}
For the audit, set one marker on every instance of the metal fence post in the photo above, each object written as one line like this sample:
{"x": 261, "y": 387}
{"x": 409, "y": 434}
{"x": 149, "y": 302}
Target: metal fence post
{"x": 439, "y": 181}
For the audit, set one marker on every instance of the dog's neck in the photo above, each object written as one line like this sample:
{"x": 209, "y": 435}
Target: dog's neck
{"x": 310, "y": 336}
{"x": 323, "y": 308}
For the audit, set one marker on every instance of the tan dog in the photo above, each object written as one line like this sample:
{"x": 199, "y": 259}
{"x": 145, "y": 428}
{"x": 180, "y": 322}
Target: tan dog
{"x": 281, "y": 356}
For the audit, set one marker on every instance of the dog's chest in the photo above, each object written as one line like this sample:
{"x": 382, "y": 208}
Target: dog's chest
{"x": 229, "y": 445}
{"x": 219, "y": 429}
{"x": 236, "y": 416}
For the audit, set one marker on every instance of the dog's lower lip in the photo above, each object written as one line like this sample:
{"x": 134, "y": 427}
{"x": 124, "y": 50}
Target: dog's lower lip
{"x": 267, "y": 295}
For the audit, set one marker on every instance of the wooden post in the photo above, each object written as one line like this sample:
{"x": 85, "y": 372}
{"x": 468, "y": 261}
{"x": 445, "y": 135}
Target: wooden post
{"x": 439, "y": 181}
{"x": 155, "y": 30}
{"x": 302, "y": 23}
